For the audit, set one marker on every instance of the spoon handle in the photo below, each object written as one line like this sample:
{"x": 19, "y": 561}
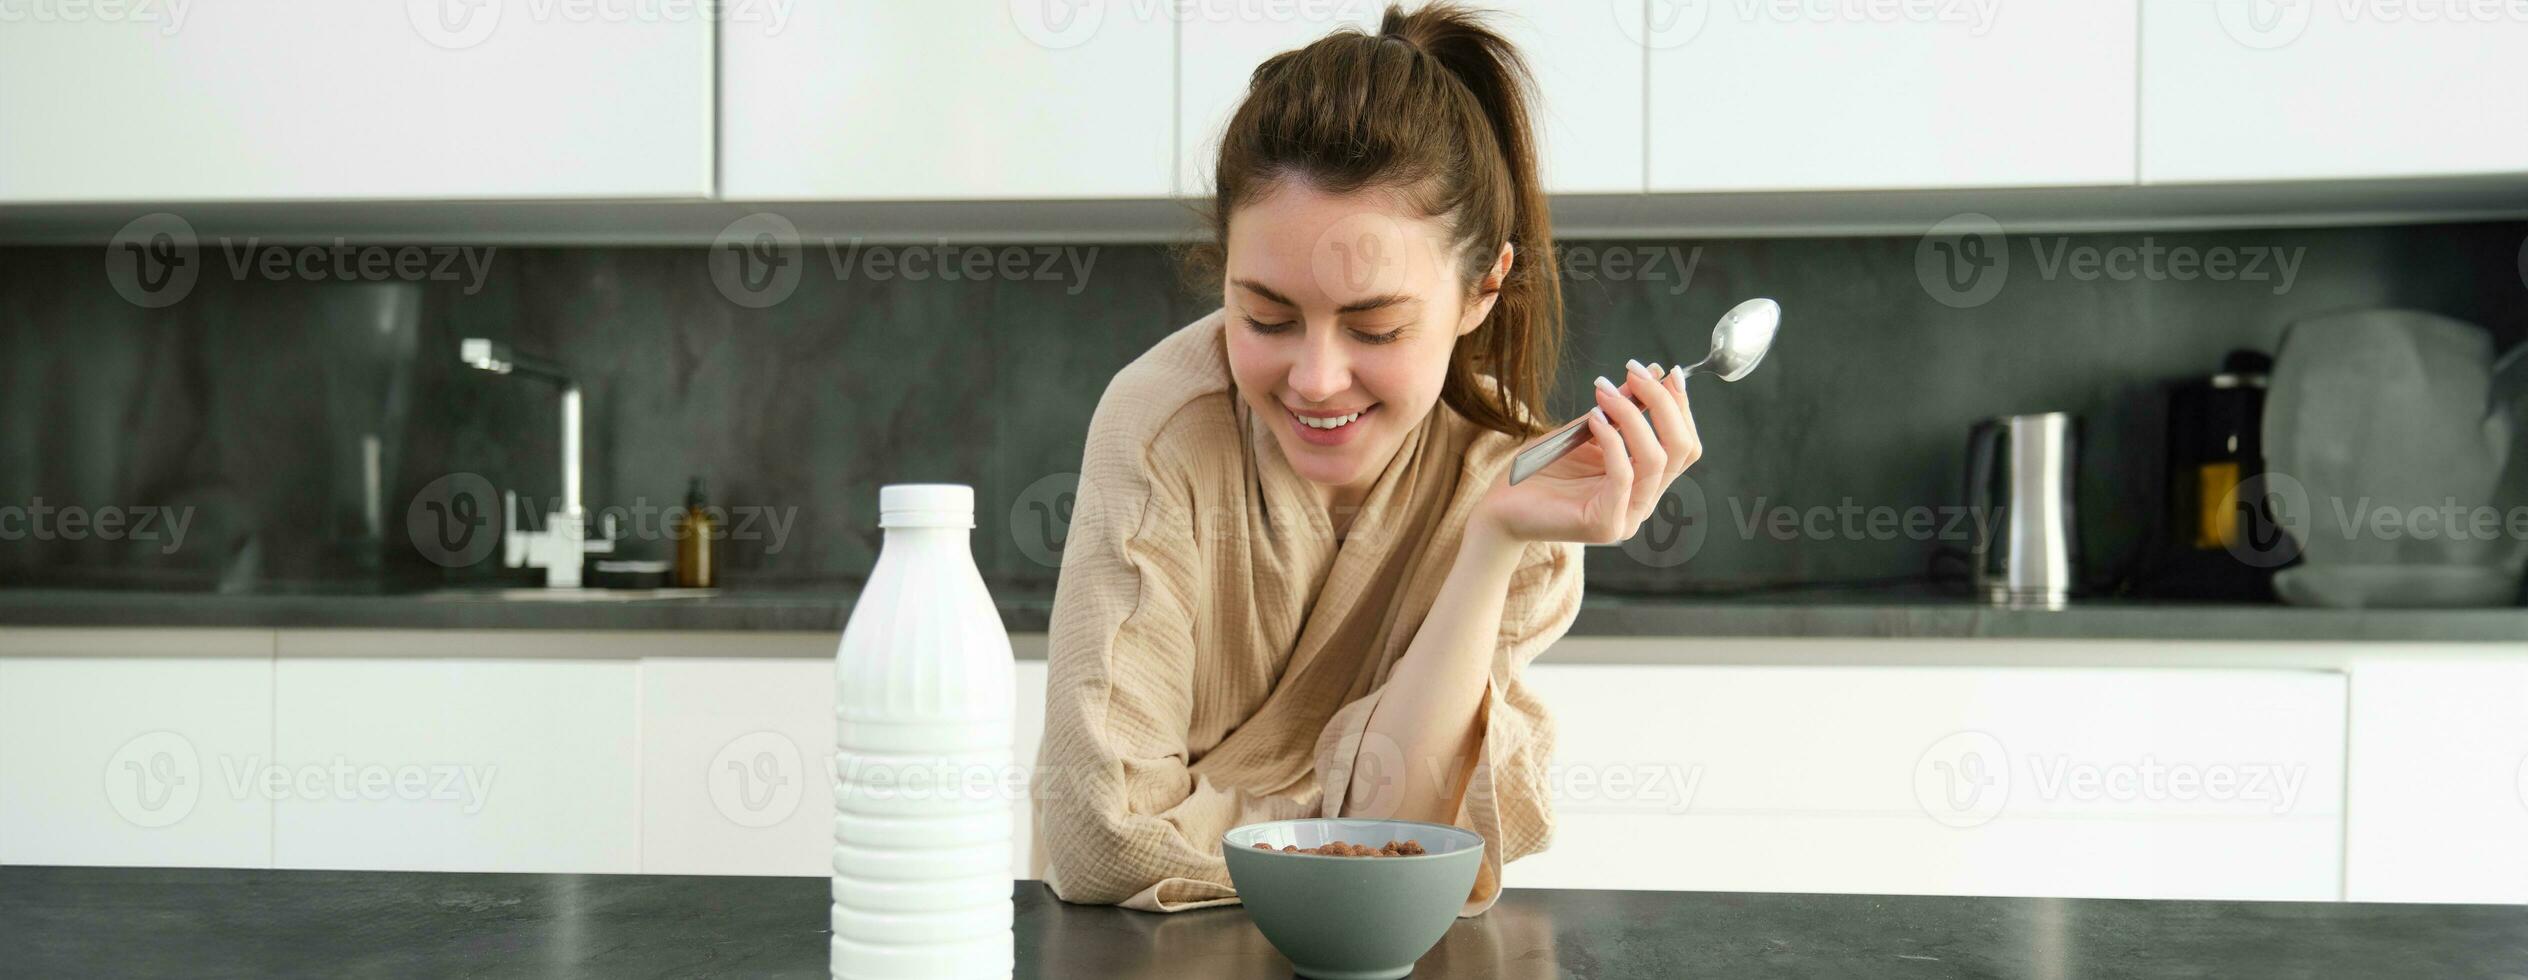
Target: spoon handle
{"x": 1571, "y": 436}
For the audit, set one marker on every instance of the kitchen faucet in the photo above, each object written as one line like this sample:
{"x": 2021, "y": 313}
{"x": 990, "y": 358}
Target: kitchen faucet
{"x": 564, "y": 541}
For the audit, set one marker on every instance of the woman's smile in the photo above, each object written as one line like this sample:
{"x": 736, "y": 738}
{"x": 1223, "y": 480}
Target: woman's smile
{"x": 1322, "y": 428}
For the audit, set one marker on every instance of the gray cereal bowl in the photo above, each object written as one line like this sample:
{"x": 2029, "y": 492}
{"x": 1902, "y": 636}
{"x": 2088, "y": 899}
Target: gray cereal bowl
{"x": 1352, "y": 918}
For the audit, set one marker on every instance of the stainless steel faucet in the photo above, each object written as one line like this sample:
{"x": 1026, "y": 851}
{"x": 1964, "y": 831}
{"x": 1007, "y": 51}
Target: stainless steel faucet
{"x": 565, "y": 539}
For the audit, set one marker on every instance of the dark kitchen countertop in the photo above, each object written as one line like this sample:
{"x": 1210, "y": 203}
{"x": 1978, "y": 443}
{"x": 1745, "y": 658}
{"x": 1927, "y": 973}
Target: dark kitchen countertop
{"x": 1900, "y": 612}
{"x": 112, "y": 922}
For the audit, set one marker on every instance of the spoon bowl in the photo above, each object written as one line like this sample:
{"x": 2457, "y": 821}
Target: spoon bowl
{"x": 1740, "y": 339}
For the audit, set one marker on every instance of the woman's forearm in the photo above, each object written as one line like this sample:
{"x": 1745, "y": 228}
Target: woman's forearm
{"x": 1421, "y": 742}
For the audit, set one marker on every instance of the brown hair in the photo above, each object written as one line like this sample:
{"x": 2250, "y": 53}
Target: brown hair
{"x": 1434, "y": 106}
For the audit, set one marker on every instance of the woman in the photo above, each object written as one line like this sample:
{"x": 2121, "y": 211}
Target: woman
{"x": 1297, "y": 581}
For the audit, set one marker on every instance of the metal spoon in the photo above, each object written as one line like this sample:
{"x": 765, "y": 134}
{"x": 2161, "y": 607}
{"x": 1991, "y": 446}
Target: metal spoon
{"x": 1739, "y": 341}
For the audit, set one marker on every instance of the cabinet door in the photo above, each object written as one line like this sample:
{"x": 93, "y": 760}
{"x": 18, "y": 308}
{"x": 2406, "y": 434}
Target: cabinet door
{"x": 736, "y": 758}
{"x": 135, "y": 747}
{"x": 1995, "y": 781}
{"x": 1219, "y": 46}
{"x": 949, "y": 100}
{"x": 1588, "y": 62}
{"x": 287, "y": 100}
{"x": 2286, "y": 91}
{"x": 1584, "y": 55}
{"x": 448, "y": 751}
{"x": 1785, "y": 96}
{"x": 2438, "y": 807}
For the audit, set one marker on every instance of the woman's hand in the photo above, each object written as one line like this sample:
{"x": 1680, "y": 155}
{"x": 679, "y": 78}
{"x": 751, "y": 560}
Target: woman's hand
{"x": 1602, "y": 491}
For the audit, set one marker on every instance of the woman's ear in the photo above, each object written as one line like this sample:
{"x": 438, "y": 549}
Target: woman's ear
{"x": 1488, "y": 291}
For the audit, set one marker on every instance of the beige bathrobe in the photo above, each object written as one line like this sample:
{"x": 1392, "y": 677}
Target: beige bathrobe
{"x": 1217, "y": 650}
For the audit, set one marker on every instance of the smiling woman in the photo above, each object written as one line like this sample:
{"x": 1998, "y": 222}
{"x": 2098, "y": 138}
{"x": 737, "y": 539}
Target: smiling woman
{"x": 1296, "y": 583}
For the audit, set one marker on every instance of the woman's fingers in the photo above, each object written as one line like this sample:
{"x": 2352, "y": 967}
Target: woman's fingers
{"x": 1650, "y": 458}
{"x": 1610, "y": 517}
{"x": 1683, "y": 441}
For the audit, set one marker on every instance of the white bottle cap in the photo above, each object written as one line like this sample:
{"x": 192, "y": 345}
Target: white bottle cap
{"x": 926, "y": 505}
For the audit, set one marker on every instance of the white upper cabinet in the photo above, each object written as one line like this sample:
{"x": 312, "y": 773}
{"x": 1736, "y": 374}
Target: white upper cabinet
{"x": 1588, "y": 71}
{"x": 1766, "y": 95}
{"x": 298, "y": 100}
{"x": 2277, "y": 90}
{"x": 1588, "y": 61}
{"x": 947, "y": 100}
{"x": 1220, "y": 44}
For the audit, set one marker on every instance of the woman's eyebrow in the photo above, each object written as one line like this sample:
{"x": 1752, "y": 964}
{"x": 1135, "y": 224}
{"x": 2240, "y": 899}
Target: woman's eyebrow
{"x": 1355, "y": 306}
{"x": 1260, "y": 289}
{"x": 1374, "y": 303}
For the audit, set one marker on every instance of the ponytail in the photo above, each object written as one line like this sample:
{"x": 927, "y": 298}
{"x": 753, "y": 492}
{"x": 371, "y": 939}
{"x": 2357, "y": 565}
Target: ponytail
{"x": 1435, "y": 105}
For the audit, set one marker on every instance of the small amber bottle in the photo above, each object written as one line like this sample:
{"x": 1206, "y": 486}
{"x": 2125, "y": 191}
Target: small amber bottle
{"x": 697, "y": 543}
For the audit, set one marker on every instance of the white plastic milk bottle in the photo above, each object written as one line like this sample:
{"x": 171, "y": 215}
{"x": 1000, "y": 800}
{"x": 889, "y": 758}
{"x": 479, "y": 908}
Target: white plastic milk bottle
{"x": 924, "y": 707}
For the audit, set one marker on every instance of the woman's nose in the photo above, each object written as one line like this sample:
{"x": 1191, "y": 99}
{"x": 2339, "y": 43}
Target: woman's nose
{"x": 1321, "y": 372}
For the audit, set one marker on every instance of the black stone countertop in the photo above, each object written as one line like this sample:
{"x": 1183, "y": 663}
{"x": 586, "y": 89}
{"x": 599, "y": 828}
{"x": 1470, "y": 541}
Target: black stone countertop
{"x": 130, "y": 922}
{"x": 1910, "y": 612}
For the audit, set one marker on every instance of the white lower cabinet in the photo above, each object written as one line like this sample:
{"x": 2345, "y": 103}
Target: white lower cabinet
{"x": 2373, "y": 772}
{"x": 127, "y": 747}
{"x": 2439, "y": 796}
{"x": 736, "y": 757}
{"x": 453, "y": 752}
{"x": 2012, "y": 781}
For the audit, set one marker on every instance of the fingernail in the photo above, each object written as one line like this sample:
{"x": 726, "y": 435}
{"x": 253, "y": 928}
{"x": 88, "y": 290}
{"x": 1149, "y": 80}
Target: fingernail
{"x": 1605, "y": 385}
{"x": 1600, "y": 413}
{"x": 1656, "y": 369}
{"x": 1637, "y": 368}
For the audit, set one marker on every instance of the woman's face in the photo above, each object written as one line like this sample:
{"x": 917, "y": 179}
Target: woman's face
{"x": 1343, "y": 310}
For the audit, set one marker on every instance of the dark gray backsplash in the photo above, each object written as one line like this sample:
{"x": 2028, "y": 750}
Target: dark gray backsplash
{"x": 241, "y": 408}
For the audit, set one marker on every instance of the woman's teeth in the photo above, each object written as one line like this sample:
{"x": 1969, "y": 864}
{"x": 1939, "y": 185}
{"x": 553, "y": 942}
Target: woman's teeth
{"x": 1336, "y": 422}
